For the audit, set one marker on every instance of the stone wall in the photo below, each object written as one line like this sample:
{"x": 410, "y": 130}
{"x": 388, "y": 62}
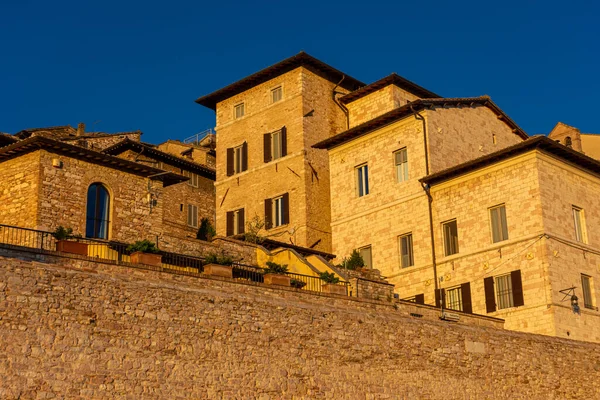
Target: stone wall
{"x": 378, "y": 103}
{"x": 19, "y": 187}
{"x": 79, "y": 329}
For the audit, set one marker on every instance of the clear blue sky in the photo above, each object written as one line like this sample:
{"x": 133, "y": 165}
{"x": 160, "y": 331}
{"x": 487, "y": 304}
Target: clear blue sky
{"x": 127, "y": 65}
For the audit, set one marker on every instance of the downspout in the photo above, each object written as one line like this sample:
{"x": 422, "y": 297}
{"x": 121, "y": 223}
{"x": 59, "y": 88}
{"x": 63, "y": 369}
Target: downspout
{"x": 340, "y": 105}
{"x": 427, "y": 188}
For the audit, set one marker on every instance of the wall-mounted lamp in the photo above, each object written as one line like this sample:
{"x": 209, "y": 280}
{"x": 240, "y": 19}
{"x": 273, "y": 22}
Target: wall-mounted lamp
{"x": 575, "y": 304}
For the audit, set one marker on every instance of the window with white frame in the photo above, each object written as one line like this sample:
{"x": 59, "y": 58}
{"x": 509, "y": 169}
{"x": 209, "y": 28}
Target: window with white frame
{"x": 276, "y": 144}
{"x": 278, "y": 211}
{"x": 276, "y": 94}
{"x": 454, "y": 298}
{"x": 586, "y": 286}
{"x": 450, "y": 233}
{"x": 401, "y": 162}
{"x": 238, "y": 157}
{"x": 406, "y": 250}
{"x": 504, "y": 291}
{"x": 192, "y": 215}
{"x": 239, "y": 110}
{"x": 194, "y": 178}
{"x": 579, "y": 220}
{"x": 362, "y": 180}
{"x": 498, "y": 222}
{"x": 365, "y": 253}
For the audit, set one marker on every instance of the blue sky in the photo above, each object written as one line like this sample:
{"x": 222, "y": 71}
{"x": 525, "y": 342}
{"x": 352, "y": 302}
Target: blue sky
{"x": 128, "y": 65}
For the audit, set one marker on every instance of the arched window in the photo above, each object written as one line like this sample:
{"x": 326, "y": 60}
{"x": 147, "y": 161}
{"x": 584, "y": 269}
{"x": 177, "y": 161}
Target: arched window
{"x": 568, "y": 141}
{"x": 98, "y": 206}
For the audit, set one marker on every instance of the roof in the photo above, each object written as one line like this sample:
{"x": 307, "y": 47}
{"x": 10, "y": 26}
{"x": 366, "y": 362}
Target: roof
{"x": 393, "y": 79}
{"x": 301, "y": 59}
{"x": 407, "y": 110}
{"x": 5, "y": 139}
{"x": 271, "y": 244}
{"x": 25, "y": 133}
{"x": 56, "y": 146}
{"x": 149, "y": 150}
{"x": 542, "y": 143}
{"x": 94, "y": 135}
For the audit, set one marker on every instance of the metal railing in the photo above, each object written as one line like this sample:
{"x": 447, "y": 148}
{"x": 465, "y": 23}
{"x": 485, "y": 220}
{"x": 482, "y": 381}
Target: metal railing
{"x": 117, "y": 252}
{"x": 200, "y": 137}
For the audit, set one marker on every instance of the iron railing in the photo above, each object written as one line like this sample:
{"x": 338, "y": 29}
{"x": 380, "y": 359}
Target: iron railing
{"x": 117, "y": 252}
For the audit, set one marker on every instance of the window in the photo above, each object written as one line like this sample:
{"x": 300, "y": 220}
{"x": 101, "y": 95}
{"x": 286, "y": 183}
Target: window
{"x": 498, "y": 221}
{"x": 401, "y": 162}
{"x": 365, "y": 253}
{"x": 454, "y": 298}
{"x": 586, "y": 286}
{"x": 192, "y": 215}
{"x": 98, "y": 211}
{"x": 503, "y": 291}
{"x": 362, "y": 180}
{"x": 450, "y": 231}
{"x": 277, "y": 211}
{"x": 236, "y": 223}
{"x": 568, "y": 142}
{"x": 275, "y": 145}
{"x": 276, "y": 94}
{"x": 194, "y": 178}
{"x": 237, "y": 159}
{"x": 239, "y": 110}
{"x": 406, "y": 250}
{"x": 579, "y": 219}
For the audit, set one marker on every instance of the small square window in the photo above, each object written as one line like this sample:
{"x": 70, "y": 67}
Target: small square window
{"x": 498, "y": 221}
{"x": 365, "y": 253}
{"x": 401, "y": 162}
{"x": 276, "y": 94}
{"x": 406, "y": 250}
{"x": 239, "y": 110}
{"x": 450, "y": 232}
{"x": 362, "y": 180}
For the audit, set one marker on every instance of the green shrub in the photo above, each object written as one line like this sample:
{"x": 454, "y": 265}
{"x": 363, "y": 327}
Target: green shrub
{"x": 355, "y": 261}
{"x": 145, "y": 246}
{"x": 274, "y": 268}
{"x": 329, "y": 277}
{"x": 206, "y": 230}
{"x": 220, "y": 259}
{"x": 296, "y": 283}
{"x": 61, "y": 233}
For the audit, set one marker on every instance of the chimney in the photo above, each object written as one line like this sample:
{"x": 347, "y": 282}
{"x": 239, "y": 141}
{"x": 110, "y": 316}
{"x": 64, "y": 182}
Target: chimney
{"x": 80, "y": 129}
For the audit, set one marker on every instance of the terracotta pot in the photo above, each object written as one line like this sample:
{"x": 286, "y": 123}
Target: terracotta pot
{"x": 68, "y": 246}
{"x": 334, "y": 289}
{"x": 277, "y": 279}
{"x": 225, "y": 271}
{"x": 146, "y": 258}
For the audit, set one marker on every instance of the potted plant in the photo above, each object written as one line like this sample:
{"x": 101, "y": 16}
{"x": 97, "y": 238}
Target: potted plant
{"x": 297, "y": 283}
{"x": 275, "y": 274}
{"x": 218, "y": 265}
{"x": 144, "y": 252}
{"x": 354, "y": 262}
{"x": 61, "y": 234}
{"x": 331, "y": 283}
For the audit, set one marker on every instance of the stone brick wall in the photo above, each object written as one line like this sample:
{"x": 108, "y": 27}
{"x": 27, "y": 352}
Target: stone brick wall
{"x": 79, "y": 329}
{"x": 202, "y": 155}
{"x": 377, "y": 103}
{"x": 19, "y": 187}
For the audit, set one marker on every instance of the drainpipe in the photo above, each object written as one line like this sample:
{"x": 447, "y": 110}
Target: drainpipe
{"x": 340, "y": 105}
{"x": 427, "y": 188}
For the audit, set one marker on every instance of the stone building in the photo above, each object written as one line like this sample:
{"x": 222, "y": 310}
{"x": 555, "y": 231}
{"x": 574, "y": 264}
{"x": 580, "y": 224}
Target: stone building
{"x": 587, "y": 143}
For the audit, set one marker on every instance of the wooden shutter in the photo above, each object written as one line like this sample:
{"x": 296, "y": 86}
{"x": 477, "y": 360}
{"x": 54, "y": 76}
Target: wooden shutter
{"x": 420, "y": 298}
{"x": 230, "y": 223}
{"x": 286, "y": 208}
{"x": 465, "y": 290}
{"x": 245, "y": 156}
{"x": 241, "y": 221}
{"x": 268, "y": 213}
{"x": 283, "y": 142}
{"x": 440, "y": 297}
{"x": 267, "y": 148}
{"x": 490, "y": 298}
{"x": 517, "y": 288}
{"x": 230, "y": 161}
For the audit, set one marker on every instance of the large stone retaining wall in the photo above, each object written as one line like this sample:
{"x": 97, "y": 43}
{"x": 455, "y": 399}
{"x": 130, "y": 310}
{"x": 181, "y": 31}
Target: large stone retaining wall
{"x": 77, "y": 329}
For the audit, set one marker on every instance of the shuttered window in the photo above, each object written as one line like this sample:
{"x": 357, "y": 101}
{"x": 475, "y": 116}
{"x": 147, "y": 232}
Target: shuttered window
{"x": 401, "y": 162}
{"x": 237, "y": 159}
{"x": 365, "y": 253}
{"x": 236, "y": 222}
{"x": 579, "y": 220}
{"x": 503, "y": 291}
{"x": 362, "y": 180}
{"x": 192, "y": 215}
{"x": 275, "y": 145}
{"x": 277, "y": 211}
{"x": 504, "y": 294}
{"x": 586, "y": 286}
{"x": 406, "y": 250}
{"x": 498, "y": 222}
{"x": 454, "y": 298}
{"x": 450, "y": 233}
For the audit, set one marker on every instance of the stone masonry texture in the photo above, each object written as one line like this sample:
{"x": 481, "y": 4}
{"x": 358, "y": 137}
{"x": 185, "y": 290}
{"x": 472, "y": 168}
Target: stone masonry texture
{"x": 77, "y": 329}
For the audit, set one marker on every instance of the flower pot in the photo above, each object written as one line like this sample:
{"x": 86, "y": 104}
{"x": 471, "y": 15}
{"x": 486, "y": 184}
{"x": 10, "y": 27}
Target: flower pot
{"x": 334, "y": 289}
{"x": 68, "y": 246}
{"x": 146, "y": 258}
{"x": 226, "y": 271}
{"x": 277, "y": 279}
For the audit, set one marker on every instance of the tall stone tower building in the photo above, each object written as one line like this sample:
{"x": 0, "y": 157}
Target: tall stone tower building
{"x": 267, "y": 170}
